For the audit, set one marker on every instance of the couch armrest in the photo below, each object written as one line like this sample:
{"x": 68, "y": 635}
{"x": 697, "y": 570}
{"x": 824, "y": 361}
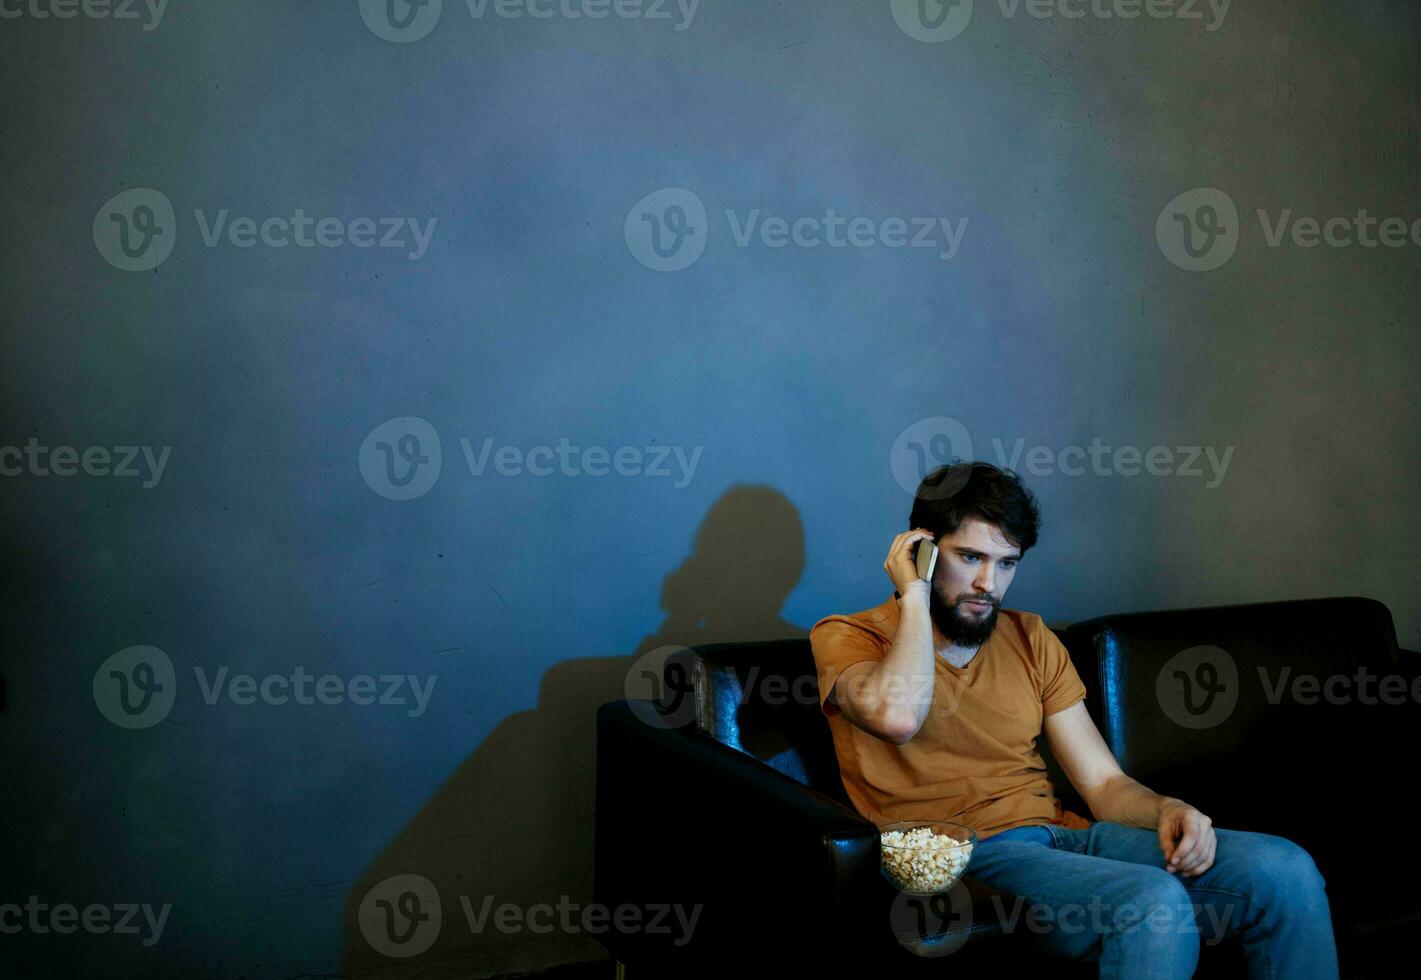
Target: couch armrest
{"x": 686, "y": 820}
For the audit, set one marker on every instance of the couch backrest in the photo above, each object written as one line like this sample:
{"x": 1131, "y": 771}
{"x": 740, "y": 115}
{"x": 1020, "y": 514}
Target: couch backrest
{"x": 1178, "y": 696}
{"x": 1202, "y": 704}
{"x": 762, "y": 698}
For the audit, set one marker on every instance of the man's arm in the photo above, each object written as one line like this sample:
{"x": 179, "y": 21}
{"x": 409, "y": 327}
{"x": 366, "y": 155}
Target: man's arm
{"x": 890, "y": 699}
{"x": 1111, "y": 795}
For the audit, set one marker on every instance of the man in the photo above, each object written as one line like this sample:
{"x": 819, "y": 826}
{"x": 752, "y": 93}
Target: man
{"x": 936, "y": 699}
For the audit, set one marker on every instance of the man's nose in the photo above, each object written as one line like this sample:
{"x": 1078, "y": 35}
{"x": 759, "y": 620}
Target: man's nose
{"x": 984, "y": 581}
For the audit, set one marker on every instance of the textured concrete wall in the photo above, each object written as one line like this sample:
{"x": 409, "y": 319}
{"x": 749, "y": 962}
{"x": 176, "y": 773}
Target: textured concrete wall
{"x": 769, "y": 258}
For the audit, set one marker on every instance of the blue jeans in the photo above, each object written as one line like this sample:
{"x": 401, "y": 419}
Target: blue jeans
{"x": 1104, "y": 894}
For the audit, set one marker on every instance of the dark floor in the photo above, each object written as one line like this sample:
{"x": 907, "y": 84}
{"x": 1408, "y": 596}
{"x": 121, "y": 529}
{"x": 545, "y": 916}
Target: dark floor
{"x": 605, "y": 970}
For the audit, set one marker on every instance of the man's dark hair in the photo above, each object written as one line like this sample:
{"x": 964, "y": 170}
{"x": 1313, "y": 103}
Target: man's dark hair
{"x": 958, "y": 490}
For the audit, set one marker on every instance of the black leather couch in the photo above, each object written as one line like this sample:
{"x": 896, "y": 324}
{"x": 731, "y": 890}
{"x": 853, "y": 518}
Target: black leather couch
{"x": 726, "y": 794}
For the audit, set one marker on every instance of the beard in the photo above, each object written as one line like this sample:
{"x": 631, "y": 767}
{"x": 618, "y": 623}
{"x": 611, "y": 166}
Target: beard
{"x": 964, "y": 629}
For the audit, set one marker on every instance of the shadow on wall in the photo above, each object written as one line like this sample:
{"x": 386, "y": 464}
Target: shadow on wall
{"x": 514, "y": 823}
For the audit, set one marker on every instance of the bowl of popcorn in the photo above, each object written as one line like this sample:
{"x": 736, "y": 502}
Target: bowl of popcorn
{"x": 925, "y": 857}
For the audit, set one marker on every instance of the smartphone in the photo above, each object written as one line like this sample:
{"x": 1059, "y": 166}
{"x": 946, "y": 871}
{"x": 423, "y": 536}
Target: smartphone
{"x": 926, "y": 555}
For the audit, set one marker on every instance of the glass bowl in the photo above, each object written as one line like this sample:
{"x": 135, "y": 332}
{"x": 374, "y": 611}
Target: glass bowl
{"x": 930, "y": 856}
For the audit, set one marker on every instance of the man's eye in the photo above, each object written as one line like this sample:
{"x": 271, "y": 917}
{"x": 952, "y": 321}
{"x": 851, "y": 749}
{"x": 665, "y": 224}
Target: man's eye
{"x": 969, "y": 558}
{"x": 1008, "y": 564}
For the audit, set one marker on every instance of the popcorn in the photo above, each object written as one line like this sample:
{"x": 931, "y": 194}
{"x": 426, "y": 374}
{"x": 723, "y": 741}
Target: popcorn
{"x": 923, "y": 862}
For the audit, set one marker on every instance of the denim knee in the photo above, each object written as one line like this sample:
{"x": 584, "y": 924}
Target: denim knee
{"x": 1156, "y": 901}
{"x": 1156, "y": 926}
{"x": 1282, "y": 871}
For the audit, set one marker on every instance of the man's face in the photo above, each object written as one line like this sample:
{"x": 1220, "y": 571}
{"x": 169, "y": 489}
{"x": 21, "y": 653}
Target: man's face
{"x": 975, "y": 566}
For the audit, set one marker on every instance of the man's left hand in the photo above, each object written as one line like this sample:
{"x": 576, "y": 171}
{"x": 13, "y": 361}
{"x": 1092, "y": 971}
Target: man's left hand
{"x": 1194, "y": 832}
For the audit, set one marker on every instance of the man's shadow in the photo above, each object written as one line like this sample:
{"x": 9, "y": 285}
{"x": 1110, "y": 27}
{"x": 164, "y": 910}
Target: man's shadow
{"x": 514, "y": 823}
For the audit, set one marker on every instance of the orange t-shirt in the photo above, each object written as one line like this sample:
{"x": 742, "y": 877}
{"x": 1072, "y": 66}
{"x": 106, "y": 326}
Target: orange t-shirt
{"x": 975, "y": 758}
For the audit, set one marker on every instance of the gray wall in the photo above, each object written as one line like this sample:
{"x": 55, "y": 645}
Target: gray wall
{"x": 801, "y": 380}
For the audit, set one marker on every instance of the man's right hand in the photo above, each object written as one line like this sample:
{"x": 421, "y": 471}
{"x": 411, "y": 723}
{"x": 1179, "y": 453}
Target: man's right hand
{"x": 900, "y": 564}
